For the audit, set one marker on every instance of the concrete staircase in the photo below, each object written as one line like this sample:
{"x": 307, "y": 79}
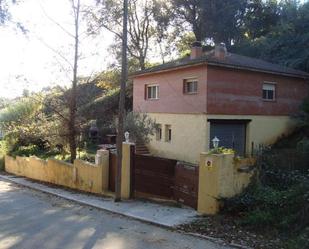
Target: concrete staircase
{"x": 141, "y": 149}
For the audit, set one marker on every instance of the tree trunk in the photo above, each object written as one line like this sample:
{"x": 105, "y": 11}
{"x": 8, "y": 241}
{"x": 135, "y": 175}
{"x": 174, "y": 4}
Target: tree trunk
{"x": 72, "y": 120}
{"x": 124, "y": 72}
{"x": 142, "y": 62}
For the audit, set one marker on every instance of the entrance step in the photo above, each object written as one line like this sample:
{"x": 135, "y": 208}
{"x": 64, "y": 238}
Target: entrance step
{"x": 141, "y": 149}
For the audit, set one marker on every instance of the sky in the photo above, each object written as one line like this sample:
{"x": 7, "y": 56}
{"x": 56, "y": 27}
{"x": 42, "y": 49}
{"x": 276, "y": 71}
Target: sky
{"x": 29, "y": 61}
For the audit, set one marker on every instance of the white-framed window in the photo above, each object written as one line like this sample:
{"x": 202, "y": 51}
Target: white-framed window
{"x": 190, "y": 86}
{"x": 159, "y": 132}
{"x": 269, "y": 91}
{"x": 168, "y": 133}
{"x": 152, "y": 92}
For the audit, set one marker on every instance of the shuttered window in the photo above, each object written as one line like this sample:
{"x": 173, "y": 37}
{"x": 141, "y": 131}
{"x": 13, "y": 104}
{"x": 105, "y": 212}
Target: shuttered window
{"x": 269, "y": 91}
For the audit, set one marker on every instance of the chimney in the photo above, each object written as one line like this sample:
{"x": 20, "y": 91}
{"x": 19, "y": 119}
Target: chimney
{"x": 220, "y": 51}
{"x": 196, "y": 50}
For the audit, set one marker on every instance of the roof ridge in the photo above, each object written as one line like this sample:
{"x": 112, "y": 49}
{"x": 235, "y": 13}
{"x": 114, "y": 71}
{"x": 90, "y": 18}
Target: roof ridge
{"x": 232, "y": 60}
{"x": 269, "y": 62}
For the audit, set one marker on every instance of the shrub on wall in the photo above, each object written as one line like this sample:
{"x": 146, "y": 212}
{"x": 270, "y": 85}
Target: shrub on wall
{"x": 221, "y": 150}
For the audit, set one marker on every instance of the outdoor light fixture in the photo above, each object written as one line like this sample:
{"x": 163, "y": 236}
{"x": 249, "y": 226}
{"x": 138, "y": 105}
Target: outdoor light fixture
{"x": 215, "y": 142}
{"x": 127, "y": 135}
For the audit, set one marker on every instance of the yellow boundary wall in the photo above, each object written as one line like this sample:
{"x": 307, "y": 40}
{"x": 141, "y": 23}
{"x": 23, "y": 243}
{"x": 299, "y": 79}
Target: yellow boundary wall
{"x": 81, "y": 175}
{"x": 219, "y": 175}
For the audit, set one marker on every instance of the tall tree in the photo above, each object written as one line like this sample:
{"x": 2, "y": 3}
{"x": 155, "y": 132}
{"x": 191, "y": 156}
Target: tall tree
{"x": 285, "y": 42}
{"x": 72, "y": 106}
{"x": 4, "y": 10}
{"x": 143, "y": 23}
{"x": 191, "y": 12}
{"x": 124, "y": 72}
{"x": 70, "y": 67}
{"x": 5, "y": 14}
{"x": 260, "y": 17}
{"x": 216, "y": 20}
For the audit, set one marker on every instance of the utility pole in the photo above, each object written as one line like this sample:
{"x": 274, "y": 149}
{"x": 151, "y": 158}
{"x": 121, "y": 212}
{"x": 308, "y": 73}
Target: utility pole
{"x": 124, "y": 76}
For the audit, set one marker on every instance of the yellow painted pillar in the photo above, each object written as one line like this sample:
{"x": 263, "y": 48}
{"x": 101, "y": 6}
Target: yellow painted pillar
{"x": 126, "y": 171}
{"x": 208, "y": 184}
{"x": 226, "y": 176}
{"x": 102, "y": 159}
{"x": 216, "y": 180}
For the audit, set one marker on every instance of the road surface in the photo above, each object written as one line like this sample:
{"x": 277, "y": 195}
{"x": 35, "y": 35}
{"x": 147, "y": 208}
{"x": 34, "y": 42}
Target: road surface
{"x": 33, "y": 220}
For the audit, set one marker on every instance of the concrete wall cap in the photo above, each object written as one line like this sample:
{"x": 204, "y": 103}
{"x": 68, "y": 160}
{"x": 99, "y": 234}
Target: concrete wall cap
{"x": 62, "y": 162}
{"x": 128, "y": 143}
{"x": 38, "y": 159}
{"x": 85, "y": 163}
{"x": 102, "y": 151}
{"x": 220, "y": 155}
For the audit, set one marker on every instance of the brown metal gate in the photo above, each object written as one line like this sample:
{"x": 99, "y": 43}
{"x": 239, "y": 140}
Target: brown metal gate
{"x": 165, "y": 178}
{"x": 186, "y": 184}
{"x": 160, "y": 178}
{"x": 154, "y": 176}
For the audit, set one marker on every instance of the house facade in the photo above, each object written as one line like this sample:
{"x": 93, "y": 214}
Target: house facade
{"x": 242, "y": 101}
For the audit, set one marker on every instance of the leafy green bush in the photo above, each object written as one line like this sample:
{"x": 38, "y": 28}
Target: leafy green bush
{"x": 1, "y": 163}
{"x": 283, "y": 168}
{"x": 29, "y": 150}
{"x": 265, "y": 206}
{"x": 282, "y": 179}
{"x": 303, "y": 145}
{"x": 299, "y": 241}
{"x": 87, "y": 157}
{"x": 140, "y": 126}
{"x": 258, "y": 218}
{"x": 3, "y": 150}
{"x": 63, "y": 157}
{"x": 34, "y": 150}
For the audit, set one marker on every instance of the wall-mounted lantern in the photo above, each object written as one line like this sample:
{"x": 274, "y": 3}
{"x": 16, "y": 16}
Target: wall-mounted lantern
{"x": 215, "y": 142}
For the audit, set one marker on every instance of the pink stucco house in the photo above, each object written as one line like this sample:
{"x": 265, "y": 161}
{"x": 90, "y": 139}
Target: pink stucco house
{"x": 242, "y": 101}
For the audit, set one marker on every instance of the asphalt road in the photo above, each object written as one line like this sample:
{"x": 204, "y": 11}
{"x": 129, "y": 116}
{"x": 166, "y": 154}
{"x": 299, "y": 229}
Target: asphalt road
{"x": 33, "y": 220}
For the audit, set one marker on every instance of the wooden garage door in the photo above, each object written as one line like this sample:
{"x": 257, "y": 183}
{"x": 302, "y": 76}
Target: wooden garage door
{"x": 231, "y": 134}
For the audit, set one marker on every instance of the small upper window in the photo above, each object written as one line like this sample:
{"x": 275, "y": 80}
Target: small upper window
{"x": 152, "y": 92}
{"x": 190, "y": 86}
{"x": 269, "y": 91}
